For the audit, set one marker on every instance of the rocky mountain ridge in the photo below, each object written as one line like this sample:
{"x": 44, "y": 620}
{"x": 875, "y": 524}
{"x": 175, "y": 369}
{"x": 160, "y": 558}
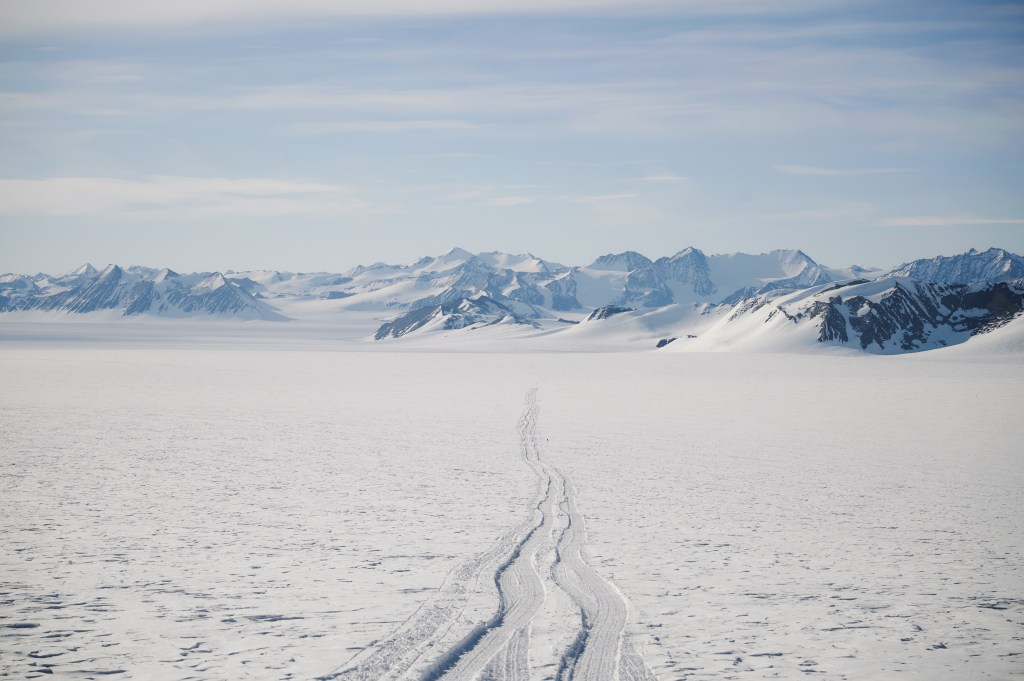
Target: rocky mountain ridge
{"x": 131, "y": 292}
{"x": 910, "y": 307}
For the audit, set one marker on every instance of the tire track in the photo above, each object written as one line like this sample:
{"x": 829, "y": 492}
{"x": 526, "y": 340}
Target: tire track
{"x": 497, "y": 647}
{"x": 520, "y": 586}
{"x": 599, "y": 648}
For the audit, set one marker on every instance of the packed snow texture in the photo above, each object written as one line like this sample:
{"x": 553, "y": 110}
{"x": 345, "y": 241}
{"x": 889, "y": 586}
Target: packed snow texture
{"x": 206, "y": 508}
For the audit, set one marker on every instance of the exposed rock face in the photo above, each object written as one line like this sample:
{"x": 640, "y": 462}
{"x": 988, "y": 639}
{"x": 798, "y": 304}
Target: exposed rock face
{"x": 690, "y": 268}
{"x": 833, "y": 323}
{"x": 643, "y": 284}
{"x": 608, "y": 311}
{"x": 913, "y": 315}
{"x": 465, "y": 313}
{"x": 563, "y": 294}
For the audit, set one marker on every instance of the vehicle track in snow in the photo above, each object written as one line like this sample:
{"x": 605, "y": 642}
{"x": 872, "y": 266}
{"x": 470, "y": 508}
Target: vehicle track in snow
{"x": 441, "y": 642}
{"x": 502, "y": 650}
{"x": 601, "y": 649}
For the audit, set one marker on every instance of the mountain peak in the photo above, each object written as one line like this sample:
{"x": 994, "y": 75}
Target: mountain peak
{"x": 84, "y": 270}
{"x": 972, "y": 266}
{"x": 458, "y": 253}
{"x": 164, "y": 275}
{"x": 689, "y": 250}
{"x": 111, "y": 271}
{"x": 627, "y": 260}
{"x": 793, "y": 256}
{"x": 459, "y": 289}
{"x": 211, "y": 283}
{"x": 689, "y": 268}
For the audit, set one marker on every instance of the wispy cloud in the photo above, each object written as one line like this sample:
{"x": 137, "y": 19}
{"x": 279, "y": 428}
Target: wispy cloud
{"x": 826, "y": 30}
{"x": 252, "y": 88}
{"x": 837, "y": 172}
{"x": 383, "y": 126}
{"x": 664, "y": 178}
{"x": 949, "y": 221}
{"x": 500, "y": 196}
{"x": 506, "y": 201}
{"x": 799, "y": 93}
{"x": 170, "y": 197}
{"x": 48, "y": 15}
{"x": 842, "y": 210}
{"x": 601, "y": 198}
{"x": 470, "y": 194}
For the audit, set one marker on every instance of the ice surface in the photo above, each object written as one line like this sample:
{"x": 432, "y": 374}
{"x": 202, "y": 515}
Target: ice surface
{"x": 220, "y": 506}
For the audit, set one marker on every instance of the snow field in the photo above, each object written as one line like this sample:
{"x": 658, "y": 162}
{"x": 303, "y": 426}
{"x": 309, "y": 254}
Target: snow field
{"x": 237, "y": 514}
{"x": 771, "y": 516}
{"x": 215, "y": 509}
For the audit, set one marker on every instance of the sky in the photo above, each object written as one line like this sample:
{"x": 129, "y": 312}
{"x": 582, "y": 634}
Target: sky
{"x": 310, "y": 135}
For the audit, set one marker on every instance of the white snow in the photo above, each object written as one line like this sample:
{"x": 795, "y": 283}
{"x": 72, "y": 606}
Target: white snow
{"x": 598, "y": 286}
{"x": 211, "y": 283}
{"x": 734, "y": 271}
{"x": 518, "y": 263}
{"x": 266, "y": 501}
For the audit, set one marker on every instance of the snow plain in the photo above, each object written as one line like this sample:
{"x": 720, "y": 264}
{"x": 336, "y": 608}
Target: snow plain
{"x": 234, "y": 504}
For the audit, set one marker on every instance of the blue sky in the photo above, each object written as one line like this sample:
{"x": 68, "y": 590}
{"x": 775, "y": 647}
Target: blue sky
{"x": 316, "y": 135}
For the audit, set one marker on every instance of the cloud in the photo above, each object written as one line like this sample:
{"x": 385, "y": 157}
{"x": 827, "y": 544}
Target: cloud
{"x": 601, "y": 198}
{"x": 383, "y": 126}
{"x": 48, "y": 15}
{"x": 505, "y": 201}
{"x": 866, "y": 94}
{"x": 830, "y": 212}
{"x": 665, "y": 178}
{"x": 949, "y": 221}
{"x": 175, "y": 197}
{"x": 469, "y": 194}
{"x": 488, "y": 196}
{"x": 837, "y": 172}
{"x": 787, "y": 35}
{"x": 501, "y": 196}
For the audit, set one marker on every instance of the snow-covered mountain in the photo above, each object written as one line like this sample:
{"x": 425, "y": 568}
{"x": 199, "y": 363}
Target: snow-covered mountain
{"x": 885, "y": 316}
{"x": 627, "y": 279}
{"x": 135, "y": 291}
{"x": 710, "y": 302}
{"x": 971, "y": 267}
{"x": 687, "y": 274}
{"x": 740, "y": 275}
{"x": 476, "y": 312}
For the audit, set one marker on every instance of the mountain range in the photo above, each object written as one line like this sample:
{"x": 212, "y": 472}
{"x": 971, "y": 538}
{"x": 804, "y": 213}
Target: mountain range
{"x": 712, "y": 302}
